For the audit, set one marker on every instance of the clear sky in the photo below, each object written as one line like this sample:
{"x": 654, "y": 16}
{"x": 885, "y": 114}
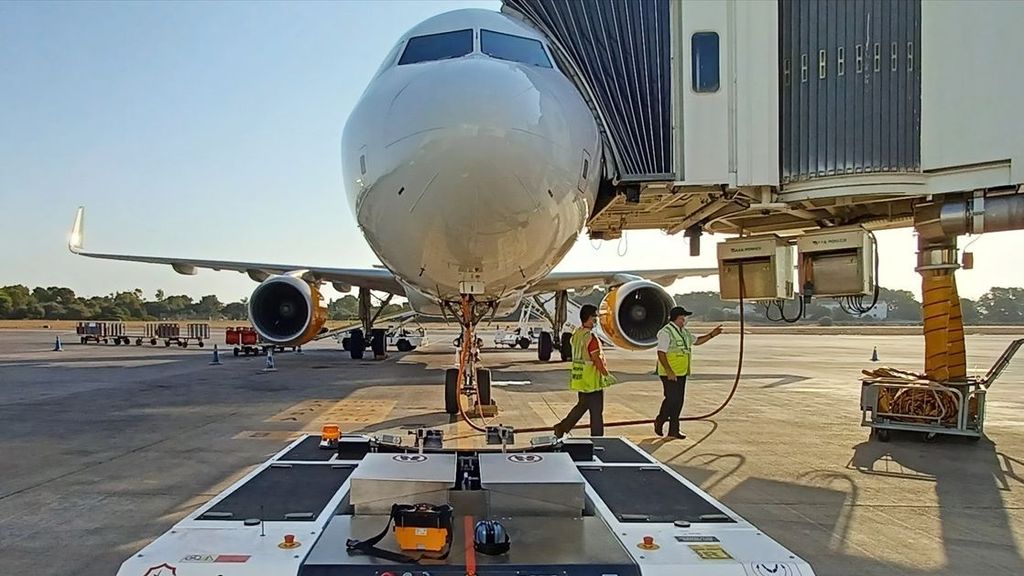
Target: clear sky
{"x": 212, "y": 130}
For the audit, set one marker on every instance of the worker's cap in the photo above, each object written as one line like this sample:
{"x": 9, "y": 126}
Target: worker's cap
{"x": 678, "y": 311}
{"x": 587, "y": 311}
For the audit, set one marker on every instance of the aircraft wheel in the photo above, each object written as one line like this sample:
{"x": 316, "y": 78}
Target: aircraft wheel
{"x": 524, "y": 343}
{"x": 544, "y": 346}
{"x": 483, "y": 386}
{"x": 566, "y": 348}
{"x": 403, "y": 345}
{"x": 451, "y": 391}
{"x": 357, "y": 345}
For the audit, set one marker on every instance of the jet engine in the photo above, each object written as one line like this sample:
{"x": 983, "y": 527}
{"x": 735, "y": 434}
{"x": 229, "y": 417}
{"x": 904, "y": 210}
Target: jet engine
{"x": 631, "y": 314}
{"x": 286, "y": 310}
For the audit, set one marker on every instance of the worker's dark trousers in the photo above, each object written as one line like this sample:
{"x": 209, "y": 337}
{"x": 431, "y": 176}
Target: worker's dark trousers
{"x": 672, "y": 405}
{"x": 589, "y": 401}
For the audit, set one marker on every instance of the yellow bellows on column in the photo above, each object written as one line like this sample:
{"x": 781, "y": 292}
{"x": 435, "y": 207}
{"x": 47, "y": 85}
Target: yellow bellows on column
{"x": 945, "y": 355}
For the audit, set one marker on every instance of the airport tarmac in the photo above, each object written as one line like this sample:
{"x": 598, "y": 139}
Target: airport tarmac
{"x": 103, "y": 448}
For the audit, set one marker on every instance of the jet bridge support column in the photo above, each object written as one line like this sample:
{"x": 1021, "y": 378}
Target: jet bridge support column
{"x": 945, "y": 357}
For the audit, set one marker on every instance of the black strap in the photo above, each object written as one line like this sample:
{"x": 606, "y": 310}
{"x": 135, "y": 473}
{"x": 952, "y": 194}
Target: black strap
{"x": 369, "y": 546}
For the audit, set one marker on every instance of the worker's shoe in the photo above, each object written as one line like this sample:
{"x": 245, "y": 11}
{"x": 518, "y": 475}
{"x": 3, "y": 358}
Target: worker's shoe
{"x": 676, "y": 435}
{"x": 659, "y": 426}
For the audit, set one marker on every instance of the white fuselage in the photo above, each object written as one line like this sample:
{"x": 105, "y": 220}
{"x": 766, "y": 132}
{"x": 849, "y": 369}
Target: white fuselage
{"x": 472, "y": 173}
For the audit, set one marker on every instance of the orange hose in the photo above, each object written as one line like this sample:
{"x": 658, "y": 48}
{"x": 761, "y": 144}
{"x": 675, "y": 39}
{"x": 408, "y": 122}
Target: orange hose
{"x": 467, "y": 340}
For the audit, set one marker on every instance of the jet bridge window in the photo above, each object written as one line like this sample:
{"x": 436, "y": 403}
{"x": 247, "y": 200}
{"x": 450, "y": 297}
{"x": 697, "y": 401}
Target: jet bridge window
{"x": 705, "y": 69}
{"x": 514, "y": 48}
{"x": 441, "y": 46}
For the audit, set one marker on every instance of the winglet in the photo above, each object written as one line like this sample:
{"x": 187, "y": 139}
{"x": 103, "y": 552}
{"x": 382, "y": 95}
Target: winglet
{"x": 76, "y": 239}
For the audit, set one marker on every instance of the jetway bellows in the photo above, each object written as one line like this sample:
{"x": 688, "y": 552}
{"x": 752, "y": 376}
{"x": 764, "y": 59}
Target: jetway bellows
{"x": 621, "y": 51}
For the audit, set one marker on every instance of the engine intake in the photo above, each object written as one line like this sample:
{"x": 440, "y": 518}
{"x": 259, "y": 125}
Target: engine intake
{"x": 287, "y": 310}
{"x": 632, "y": 314}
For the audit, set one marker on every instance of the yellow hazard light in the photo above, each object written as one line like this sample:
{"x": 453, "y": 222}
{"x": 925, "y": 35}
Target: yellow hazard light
{"x": 330, "y": 432}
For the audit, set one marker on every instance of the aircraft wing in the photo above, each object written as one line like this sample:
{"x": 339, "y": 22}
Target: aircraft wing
{"x": 374, "y": 279}
{"x": 582, "y": 280}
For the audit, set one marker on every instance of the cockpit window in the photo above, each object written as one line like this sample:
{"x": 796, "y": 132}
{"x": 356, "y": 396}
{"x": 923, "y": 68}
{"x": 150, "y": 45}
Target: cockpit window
{"x": 514, "y": 48}
{"x": 437, "y": 47}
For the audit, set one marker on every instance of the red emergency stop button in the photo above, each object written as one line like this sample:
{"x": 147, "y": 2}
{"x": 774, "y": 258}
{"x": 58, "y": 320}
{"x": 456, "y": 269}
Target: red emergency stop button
{"x": 289, "y": 542}
{"x": 648, "y": 544}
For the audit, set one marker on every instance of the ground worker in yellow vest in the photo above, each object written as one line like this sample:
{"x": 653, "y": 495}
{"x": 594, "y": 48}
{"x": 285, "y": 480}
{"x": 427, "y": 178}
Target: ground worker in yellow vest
{"x": 588, "y": 376}
{"x": 675, "y": 344}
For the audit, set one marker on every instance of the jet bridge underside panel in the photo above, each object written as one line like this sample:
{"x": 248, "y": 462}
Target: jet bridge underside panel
{"x": 621, "y": 51}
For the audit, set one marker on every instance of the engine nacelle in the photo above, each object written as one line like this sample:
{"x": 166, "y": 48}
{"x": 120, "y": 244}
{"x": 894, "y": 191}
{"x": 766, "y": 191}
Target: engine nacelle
{"x": 632, "y": 314}
{"x": 287, "y": 311}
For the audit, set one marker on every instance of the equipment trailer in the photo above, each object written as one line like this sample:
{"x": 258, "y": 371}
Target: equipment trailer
{"x": 579, "y": 507}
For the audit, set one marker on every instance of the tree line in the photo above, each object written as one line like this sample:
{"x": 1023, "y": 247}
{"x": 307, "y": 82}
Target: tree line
{"x": 18, "y": 302}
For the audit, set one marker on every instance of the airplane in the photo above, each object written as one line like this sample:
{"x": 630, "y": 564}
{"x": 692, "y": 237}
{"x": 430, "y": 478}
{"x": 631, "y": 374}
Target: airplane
{"x": 471, "y": 163}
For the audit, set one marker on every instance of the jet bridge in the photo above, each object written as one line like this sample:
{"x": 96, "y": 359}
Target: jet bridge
{"x": 782, "y": 117}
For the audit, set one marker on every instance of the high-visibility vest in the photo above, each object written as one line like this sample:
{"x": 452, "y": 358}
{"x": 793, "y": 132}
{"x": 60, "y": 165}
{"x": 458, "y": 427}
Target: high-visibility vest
{"x": 584, "y": 375}
{"x": 679, "y": 344}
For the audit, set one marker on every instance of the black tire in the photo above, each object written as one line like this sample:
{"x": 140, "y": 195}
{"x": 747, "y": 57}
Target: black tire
{"x": 357, "y": 344}
{"x": 512, "y": 346}
{"x": 346, "y": 342}
{"x": 379, "y": 342}
{"x": 882, "y": 435}
{"x": 451, "y": 391}
{"x": 82, "y": 340}
{"x": 152, "y": 341}
{"x": 235, "y": 351}
{"x": 544, "y": 346}
{"x": 201, "y": 344}
{"x": 184, "y": 343}
{"x": 138, "y": 341}
{"x": 566, "y": 348}
{"x": 524, "y": 343}
{"x": 117, "y": 341}
{"x": 483, "y": 385}
{"x": 404, "y": 345}
{"x": 167, "y": 343}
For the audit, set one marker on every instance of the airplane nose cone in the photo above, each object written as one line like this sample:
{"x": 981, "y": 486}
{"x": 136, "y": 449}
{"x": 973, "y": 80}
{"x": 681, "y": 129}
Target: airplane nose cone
{"x": 484, "y": 161}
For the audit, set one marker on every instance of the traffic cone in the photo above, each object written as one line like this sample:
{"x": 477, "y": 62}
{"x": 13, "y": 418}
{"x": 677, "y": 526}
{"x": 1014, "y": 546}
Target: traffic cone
{"x": 216, "y": 356}
{"x": 270, "y": 361}
{"x": 57, "y": 347}
{"x": 874, "y": 354}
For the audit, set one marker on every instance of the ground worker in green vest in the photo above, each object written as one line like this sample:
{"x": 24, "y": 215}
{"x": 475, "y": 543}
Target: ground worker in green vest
{"x": 675, "y": 344}
{"x": 588, "y": 376}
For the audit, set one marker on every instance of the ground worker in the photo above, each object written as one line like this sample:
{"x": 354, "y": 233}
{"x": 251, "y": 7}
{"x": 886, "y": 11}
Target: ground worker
{"x": 588, "y": 376}
{"x": 675, "y": 343}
